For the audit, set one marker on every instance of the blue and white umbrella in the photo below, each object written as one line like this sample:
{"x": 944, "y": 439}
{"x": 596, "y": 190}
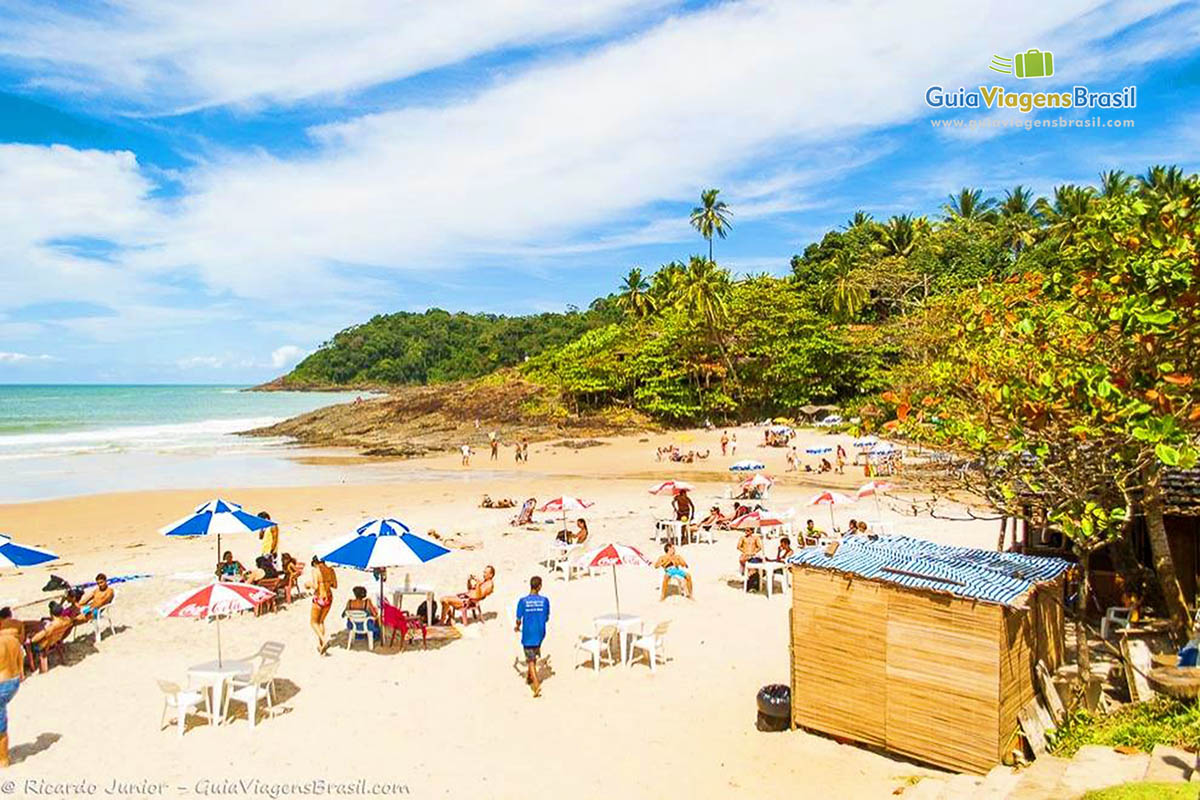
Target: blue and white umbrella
{"x": 14, "y": 555}
{"x": 378, "y": 544}
{"x": 747, "y": 465}
{"x": 819, "y": 451}
{"x": 218, "y": 517}
{"x": 866, "y": 441}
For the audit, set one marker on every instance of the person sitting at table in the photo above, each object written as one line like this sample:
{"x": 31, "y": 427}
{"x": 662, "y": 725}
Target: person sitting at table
{"x": 360, "y": 602}
{"x": 673, "y": 566}
{"x": 749, "y": 547}
{"x": 51, "y": 634}
{"x": 292, "y": 570}
{"x": 812, "y": 532}
{"x": 577, "y": 536}
{"x": 477, "y": 590}
{"x": 785, "y": 549}
{"x": 715, "y": 517}
{"x": 228, "y": 569}
{"x": 101, "y": 595}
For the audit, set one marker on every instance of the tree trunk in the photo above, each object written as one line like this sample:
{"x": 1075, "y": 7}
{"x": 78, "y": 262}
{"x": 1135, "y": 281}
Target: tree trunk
{"x": 1083, "y": 655}
{"x": 1004, "y": 533}
{"x": 1160, "y": 550}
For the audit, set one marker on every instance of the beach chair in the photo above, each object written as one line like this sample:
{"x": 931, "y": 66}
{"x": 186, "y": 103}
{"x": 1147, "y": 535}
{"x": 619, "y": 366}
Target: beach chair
{"x": 183, "y": 702}
{"x": 525, "y": 516}
{"x": 705, "y": 535}
{"x": 599, "y": 646}
{"x": 269, "y": 653}
{"x": 102, "y": 617}
{"x": 359, "y": 625}
{"x": 472, "y": 608}
{"x": 405, "y": 624}
{"x": 1115, "y": 618}
{"x": 652, "y": 644}
{"x": 566, "y": 563}
{"x": 249, "y": 691}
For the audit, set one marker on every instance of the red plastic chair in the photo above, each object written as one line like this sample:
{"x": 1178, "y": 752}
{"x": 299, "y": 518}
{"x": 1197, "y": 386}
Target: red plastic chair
{"x": 405, "y": 623}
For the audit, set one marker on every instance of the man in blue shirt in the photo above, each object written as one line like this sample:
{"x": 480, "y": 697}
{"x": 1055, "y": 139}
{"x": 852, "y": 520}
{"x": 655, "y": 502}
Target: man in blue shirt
{"x": 533, "y": 612}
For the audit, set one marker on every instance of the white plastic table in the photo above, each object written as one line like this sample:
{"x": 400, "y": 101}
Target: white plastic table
{"x": 673, "y": 529}
{"x": 625, "y": 624}
{"x": 216, "y": 675}
{"x": 398, "y": 596}
{"x": 768, "y": 570}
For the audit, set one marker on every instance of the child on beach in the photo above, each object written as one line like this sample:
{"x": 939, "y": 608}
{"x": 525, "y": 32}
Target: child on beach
{"x": 533, "y": 612}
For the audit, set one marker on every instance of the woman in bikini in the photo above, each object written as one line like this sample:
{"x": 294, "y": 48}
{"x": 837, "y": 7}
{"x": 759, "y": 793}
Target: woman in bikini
{"x": 324, "y": 582}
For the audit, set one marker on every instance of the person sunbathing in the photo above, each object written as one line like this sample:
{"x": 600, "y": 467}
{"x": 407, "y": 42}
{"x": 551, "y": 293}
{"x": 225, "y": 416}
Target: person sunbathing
{"x": 715, "y": 517}
{"x": 101, "y": 595}
{"x": 673, "y": 566}
{"x": 505, "y": 502}
{"x": 487, "y": 502}
{"x": 525, "y": 516}
{"x": 360, "y": 602}
{"x": 228, "y": 569}
{"x": 749, "y": 546}
{"x": 477, "y": 590}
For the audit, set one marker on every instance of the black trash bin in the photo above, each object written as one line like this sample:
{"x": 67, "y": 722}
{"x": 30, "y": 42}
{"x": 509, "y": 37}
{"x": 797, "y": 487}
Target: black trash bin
{"x": 774, "y": 707}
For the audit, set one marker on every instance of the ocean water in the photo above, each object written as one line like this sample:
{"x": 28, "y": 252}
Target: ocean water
{"x": 65, "y": 440}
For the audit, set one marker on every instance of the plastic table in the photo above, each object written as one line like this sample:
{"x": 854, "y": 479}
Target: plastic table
{"x": 768, "y": 570}
{"x": 398, "y": 596}
{"x": 216, "y": 675}
{"x": 624, "y": 623}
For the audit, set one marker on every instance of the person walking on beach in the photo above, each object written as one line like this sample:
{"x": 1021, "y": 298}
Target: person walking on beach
{"x": 724, "y": 441}
{"x": 495, "y": 445}
{"x": 841, "y": 459}
{"x": 466, "y": 455}
{"x": 533, "y": 612}
{"x": 324, "y": 581}
{"x": 12, "y": 670}
{"x": 733, "y": 445}
{"x": 524, "y": 449}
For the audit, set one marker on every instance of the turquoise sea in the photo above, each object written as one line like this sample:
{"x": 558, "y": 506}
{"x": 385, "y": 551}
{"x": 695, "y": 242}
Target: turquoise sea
{"x": 79, "y": 439}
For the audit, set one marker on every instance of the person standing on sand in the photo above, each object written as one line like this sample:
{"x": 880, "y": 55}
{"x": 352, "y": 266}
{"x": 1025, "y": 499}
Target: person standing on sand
{"x": 12, "y": 670}
{"x": 466, "y": 455}
{"x": 270, "y": 537}
{"x": 525, "y": 449}
{"x": 324, "y": 581}
{"x": 495, "y": 444}
{"x": 733, "y": 445}
{"x": 533, "y": 612}
{"x": 724, "y": 441}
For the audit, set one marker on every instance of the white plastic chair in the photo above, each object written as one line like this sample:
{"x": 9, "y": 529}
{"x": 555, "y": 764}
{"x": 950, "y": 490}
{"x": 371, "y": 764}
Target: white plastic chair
{"x": 566, "y": 563}
{"x": 679, "y": 583}
{"x": 1115, "y": 617}
{"x": 183, "y": 701}
{"x": 706, "y": 535}
{"x": 652, "y": 644}
{"x": 103, "y": 616}
{"x": 599, "y": 646}
{"x": 269, "y": 653}
{"x": 249, "y": 692}
{"x": 360, "y": 625}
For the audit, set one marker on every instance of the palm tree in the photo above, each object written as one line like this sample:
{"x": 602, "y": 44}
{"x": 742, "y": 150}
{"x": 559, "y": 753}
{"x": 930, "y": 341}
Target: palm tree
{"x": 846, "y": 294}
{"x": 901, "y": 233}
{"x": 711, "y": 217}
{"x": 1018, "y": 219}
{"x": 1115, "y": 183}
{"x": 969, "y": 204}
{"x": 1063, "y": 214}
{"x": 664, "y": 284}
{"x": 1162, "y": 180}
{"x": 861, "y": 219}
{"x": 634, "y": 298}
{"x": 1017, "y": 200}
{"x": 702, "y": 291}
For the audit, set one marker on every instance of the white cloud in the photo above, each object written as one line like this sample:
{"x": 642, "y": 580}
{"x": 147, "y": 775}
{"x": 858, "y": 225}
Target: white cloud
{"x": 201, "y": 362}
{"x": 172, "y": 55}
{"x": 286, "y": 356}
{"x": 22, "y": 358}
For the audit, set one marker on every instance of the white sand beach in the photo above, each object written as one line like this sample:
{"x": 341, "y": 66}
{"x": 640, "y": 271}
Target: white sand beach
{"x": 456, "y": 719}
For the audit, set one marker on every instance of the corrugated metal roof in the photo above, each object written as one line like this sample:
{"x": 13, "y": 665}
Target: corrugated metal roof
{"x": 985, "y": 575}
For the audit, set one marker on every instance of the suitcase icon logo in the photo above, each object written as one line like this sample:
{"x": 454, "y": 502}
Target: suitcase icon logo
{"x": 1033, "y": 63}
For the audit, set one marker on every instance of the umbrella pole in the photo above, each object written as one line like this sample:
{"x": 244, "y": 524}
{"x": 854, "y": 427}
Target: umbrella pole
{"x": 220, "y": 661}
{"x": 832, "y": 524}
{"x": 616, "y": 591}
{"x": 878, "y": 512}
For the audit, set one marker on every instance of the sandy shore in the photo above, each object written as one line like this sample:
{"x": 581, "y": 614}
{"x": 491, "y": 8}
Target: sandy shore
{"x": 456, "y": 719}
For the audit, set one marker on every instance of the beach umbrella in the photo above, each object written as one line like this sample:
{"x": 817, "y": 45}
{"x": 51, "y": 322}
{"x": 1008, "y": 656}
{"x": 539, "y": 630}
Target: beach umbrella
{"x": 564, "y": 504}
{"x": 882, "y": 449}
{"x": 218, "y": 517}
{"x": 215, "y": 600}
{"x": 672, "y": 487}
{"x": 831, "y": 499}
{"x": 866, "y": 441}
{"x": 616, "y": 555}
{"x": 872, "y": 489}
{"x": 819, "y": 450}
{"x": 379, "y": 544}
{"x": 756, "y": 519}
{"x": 747, "y": 465}
{"x": 13, "y": 555}
{"x": 758, "y": 480}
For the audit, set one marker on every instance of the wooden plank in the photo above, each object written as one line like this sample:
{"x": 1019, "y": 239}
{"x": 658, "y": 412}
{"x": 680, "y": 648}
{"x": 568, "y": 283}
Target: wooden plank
{"x": 1031, "y": 727}
{"x": 1050, "y": 694}
{"x": 1137, "y": 664}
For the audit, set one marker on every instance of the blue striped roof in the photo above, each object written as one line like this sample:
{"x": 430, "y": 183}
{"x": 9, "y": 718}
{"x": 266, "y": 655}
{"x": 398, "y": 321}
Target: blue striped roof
{"x": 985, "y": 575}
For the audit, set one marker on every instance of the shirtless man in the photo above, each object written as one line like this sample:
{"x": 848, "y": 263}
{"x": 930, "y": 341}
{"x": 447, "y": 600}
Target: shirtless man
{"x": 12, "y": 670}
{"x": 324, "y": 581}
{"x": 749, "y": 546}
{"x": 673, "y": 566}
{"x": 477, "y": 590}
{"x": 96, "y": 599}
{"x": 54, "y": 632}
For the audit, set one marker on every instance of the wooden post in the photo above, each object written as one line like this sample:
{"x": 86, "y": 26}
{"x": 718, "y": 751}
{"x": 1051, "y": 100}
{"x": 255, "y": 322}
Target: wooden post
{"x": 1004, "y": 533}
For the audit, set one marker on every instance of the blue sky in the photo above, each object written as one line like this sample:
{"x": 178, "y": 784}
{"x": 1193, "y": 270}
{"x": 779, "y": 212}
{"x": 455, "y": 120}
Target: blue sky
{"x": 204, "y": 192}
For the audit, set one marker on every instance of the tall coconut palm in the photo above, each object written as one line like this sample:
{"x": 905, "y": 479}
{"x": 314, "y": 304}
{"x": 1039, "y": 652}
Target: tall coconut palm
{"x": 969, "y": 204}
{"x": 634, "y": 297}
{"x": 861, "y": 219}
{"x": 702, "y": 291}
{"x": 901, "y": 233}
{"x": 1161, "y": 180}
{"x": 664, "y": 284}
{"x": 711, "y": 218}
{"x": 1017, "y": 200}
{"x": 1115, "y": 183}
{"x": 846, "y": 294}
{"x": 1064, "y": 213}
